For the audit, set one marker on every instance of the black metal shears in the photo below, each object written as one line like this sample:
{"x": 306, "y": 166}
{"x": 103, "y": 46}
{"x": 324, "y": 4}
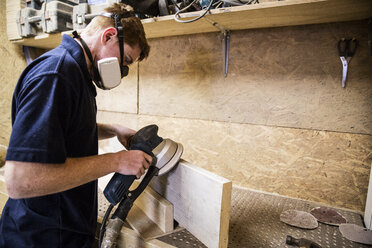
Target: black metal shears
{"x": 346, "y": 50}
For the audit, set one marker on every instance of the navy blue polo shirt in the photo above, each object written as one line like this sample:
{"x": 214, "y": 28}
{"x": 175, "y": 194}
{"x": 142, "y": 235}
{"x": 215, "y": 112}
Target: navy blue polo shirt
{"x": 53, "y": 117}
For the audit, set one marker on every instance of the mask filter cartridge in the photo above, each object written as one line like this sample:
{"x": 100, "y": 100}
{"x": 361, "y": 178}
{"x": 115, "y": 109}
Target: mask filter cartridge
{"x": 109, "y": 71}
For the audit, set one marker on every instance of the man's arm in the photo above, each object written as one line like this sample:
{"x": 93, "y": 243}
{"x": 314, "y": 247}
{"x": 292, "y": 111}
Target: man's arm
{"x": 25, "y": 179}
{"x": 123, "y": 134}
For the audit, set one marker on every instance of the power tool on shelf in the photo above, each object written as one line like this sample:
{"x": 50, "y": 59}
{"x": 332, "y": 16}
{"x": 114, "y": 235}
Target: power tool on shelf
{"x": 165, "y": 155}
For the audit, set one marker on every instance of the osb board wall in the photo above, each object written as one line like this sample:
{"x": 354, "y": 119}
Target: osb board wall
{"x": 326, "y": 167}
{"x": 288, "y": 77}
{"x": 12, "y": 63}
{"x": 280, "y": 122}
{"x": 124, "y": 97}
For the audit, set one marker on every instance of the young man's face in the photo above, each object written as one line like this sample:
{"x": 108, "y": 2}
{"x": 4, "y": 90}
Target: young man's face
{"x": 110, "y": 48}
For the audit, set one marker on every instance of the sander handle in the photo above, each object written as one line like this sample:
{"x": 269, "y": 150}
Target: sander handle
{"x": 146, "y": 139}
{"x": 119, "y": 185}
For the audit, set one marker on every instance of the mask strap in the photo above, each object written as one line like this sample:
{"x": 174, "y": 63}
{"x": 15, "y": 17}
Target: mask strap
{"x": 85, "y": 46}
{"x": 119, "y": 27}
{"x": 89, "y": 54}
{"x": 117, "y": 18}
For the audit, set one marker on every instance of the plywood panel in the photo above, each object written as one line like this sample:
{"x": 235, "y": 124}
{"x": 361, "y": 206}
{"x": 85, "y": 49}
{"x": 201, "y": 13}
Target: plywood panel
{"x": 122, "y": 98}
{"x": 289, "y": 77}
{"x": 12, "y": 63}
{"x": 326, "y": 167}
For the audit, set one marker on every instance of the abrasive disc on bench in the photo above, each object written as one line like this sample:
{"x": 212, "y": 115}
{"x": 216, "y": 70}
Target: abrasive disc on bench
{"x": 356, "y": 233}
{"x": 328, "y": 216}
{"x": 299, "y": 219}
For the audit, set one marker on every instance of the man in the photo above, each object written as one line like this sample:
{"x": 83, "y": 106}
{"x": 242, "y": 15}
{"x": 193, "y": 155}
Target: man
{"x": 52, "y": 164}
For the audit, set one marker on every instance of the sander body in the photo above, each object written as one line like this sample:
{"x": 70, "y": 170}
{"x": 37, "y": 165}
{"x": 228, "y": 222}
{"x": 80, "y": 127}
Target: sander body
{"x": 165, "y": 153}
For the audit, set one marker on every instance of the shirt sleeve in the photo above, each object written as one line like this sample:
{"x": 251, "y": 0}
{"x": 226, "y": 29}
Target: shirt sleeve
{"x": 41, "y": 120}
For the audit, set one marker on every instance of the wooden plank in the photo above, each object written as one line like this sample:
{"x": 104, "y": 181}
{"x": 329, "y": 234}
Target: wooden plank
{"x": 201, "y": 201}
{"x": 266, "y": 14}
{"x": 47, "y": 41}
{"x": 368, "y": 208}
{"x": 143, "y": 225}
{"x": 129, "y": 238}
{"x": 157, "y": 209}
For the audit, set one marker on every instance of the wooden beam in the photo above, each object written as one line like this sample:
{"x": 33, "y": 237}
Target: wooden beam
{"x": 129, "y": 238}
{"x": 146, "y": 228}
{"x": 265, "y": 14}
{"x": 157, "y": 208}
{"x": 201, "y": 201}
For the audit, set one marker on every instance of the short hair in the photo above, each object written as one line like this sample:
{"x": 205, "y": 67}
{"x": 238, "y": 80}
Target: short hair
{"x": 134, "y": 34}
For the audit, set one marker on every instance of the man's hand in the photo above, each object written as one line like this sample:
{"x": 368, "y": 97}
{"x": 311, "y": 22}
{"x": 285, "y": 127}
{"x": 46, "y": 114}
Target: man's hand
{"x": 133, "y": 162}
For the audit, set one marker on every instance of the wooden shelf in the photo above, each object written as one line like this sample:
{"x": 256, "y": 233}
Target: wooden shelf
{"x": 266, "y": 14}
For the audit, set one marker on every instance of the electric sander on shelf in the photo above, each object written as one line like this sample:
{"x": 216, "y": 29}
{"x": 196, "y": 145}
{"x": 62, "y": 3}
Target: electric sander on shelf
{"x": 165, "y": 155}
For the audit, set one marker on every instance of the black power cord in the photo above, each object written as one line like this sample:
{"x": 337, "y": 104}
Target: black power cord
{"x": 103, "y": 224}
{"x": 177, "y": 15}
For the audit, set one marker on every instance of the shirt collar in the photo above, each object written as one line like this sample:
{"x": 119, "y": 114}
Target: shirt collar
{"x": 76, "y": 51}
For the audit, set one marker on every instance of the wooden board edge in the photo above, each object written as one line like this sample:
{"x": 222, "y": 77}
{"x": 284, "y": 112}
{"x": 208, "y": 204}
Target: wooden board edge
{"x": 130, "y": 238}
{"x": 157, "y": 208}
{"x": 225, "y": 214}
{"x": 143, "y": 225}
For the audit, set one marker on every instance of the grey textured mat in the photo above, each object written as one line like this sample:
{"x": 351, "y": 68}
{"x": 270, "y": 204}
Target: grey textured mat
{"x": 255, "y": 222}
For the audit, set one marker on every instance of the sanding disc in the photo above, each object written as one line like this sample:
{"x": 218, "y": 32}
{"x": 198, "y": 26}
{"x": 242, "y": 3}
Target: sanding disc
{"x": 299, "y": 219}
{"x": 356, "y": 233}
{"x": 328, "y": 216}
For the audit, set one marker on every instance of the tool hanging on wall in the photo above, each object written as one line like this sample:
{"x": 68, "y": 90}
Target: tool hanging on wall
{"x": 370, "y": 37}
{"x": 225, "y": 50}
{"x": 165, "y": 153}
{"x": 346, "y": 50}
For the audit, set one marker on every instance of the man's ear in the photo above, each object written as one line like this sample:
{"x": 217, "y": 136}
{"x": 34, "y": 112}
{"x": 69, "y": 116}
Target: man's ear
{"x": 108, "y": 34}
